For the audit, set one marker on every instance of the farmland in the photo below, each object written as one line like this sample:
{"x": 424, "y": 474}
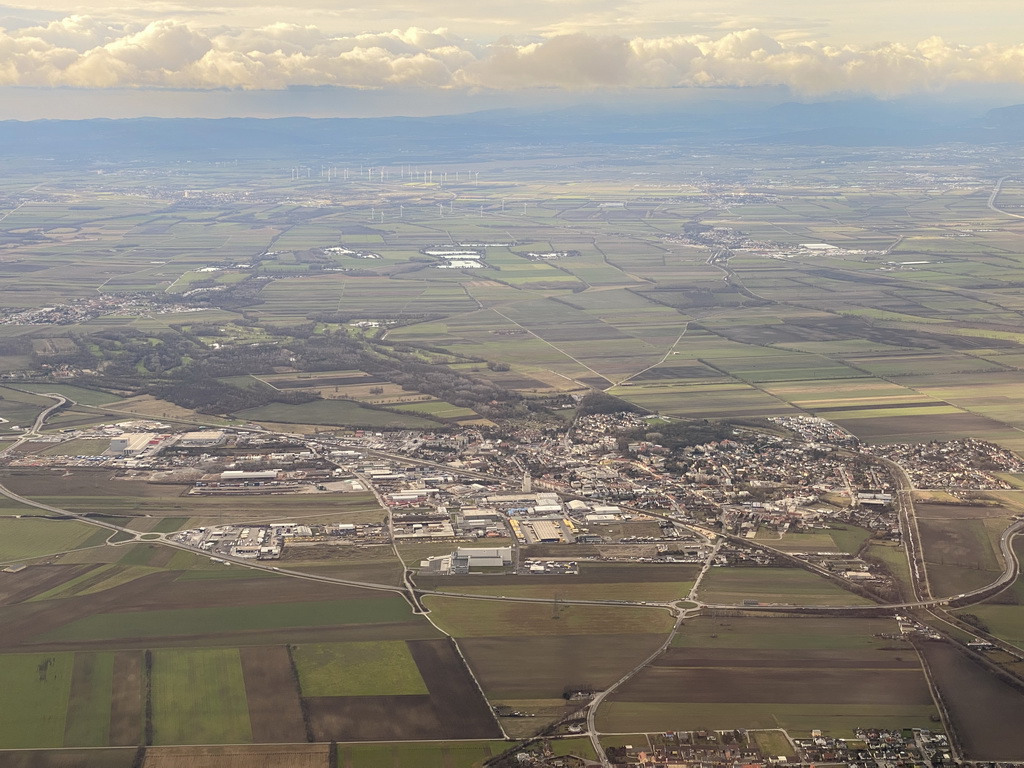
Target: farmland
{"x": 199, "y": 697}
{"x": 36, "y": 689}
{"x": 418, "y": 755}
{"x": 357, "y": 669}
{"x": 471, "y": 618}
{"x": 783, "y": 585}
{"x": 634, "y": 306}
{"x": 221, "y": 672}
{"x": 526, "y": 656}
{"x": 984, "y": 706}
{"x": 193, "y": 621}
{"x": 678, "y": 282}
{"x": 754, "y": 671}
{"x": 612, "y": 581}
{"x": 27, "y": 538}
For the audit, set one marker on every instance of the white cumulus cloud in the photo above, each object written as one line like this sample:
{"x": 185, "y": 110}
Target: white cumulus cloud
{"x": 83, "y": 52}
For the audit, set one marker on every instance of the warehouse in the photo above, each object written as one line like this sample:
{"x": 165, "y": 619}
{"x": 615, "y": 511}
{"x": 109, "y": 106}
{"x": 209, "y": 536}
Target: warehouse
{"x": 209, "y": 439}
{"x": 546, "y": 531}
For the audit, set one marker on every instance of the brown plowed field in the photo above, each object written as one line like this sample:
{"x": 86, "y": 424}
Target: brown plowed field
{"x": 22, "y": 622}
{"x": 770, "y": 686}
{"x": 805, "y": 659}
{"x": 986, "y": 712}
{"x": 373, "y": 718}
{"x": 275, "y": 710}
{"x": 36, "y": 579}
{"x": 910, "y": 428}
{"x": 454, "y": 708}
{"x": 267, "y": 756}
{"x": 461, "y": 708}
{"x": 189, "y": 593}
{"x": 543, "y": 667}
{"x": 69, "y": 758}
{"x": 127, "y": 703}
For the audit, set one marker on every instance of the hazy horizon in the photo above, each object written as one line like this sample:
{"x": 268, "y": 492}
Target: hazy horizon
{"x": 248, "y": 58}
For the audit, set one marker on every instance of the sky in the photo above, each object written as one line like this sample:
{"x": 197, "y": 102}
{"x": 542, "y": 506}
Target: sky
{"x": 166, "y": 58}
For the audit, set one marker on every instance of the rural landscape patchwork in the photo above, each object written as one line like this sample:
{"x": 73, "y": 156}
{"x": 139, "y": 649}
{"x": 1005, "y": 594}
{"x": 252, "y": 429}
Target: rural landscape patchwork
{"x": 495, "y": 453}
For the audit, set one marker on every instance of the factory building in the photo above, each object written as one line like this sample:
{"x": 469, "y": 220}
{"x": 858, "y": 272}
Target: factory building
{"x": 135, "y": 443}
{"x": 465, "y": 558}
{"x": 209, "y": 439}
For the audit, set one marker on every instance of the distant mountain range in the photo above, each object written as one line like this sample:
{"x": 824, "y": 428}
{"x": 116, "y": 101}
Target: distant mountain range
{"x": 855, "y": 123}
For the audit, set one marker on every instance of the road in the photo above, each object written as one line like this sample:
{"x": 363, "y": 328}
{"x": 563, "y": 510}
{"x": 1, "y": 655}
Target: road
{"x": 682, "y": 609}
{"x": 923, "y": 598}
{"x": 592, "y": 732}
{"x": 37, "y": 425}
{"x": 995, "y": 194}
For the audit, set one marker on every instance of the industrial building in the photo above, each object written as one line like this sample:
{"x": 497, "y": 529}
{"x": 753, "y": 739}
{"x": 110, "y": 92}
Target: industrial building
{"x": 209, "y": 439}
{"x": 546, "y": 531}
{"x": 132, "y": 444}
{"x": 463, "y": 559}
{"x": 236, "y": 474}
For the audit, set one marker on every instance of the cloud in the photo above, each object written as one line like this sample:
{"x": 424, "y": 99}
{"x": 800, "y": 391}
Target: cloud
{"x": 83, "y": 52}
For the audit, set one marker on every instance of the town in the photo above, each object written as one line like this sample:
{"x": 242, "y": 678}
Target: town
{"x": 532, "y": 499}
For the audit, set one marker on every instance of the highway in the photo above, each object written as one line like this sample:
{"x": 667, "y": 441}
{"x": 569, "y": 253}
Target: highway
{"x": 37, "y": 425}
{"x": 904, "y": 498}
{"x": 995, "y": 194}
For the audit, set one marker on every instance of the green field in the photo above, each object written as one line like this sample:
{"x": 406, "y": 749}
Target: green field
{"x": 78, "y": 394}
{"x": 960, "y": 554}
{"x": 479, "y": 618}
{"x": 383, "y": 668}
{"x": 88, "y": 718}
{"x": 773, "y": 585}
{"x": 630, "y": 590}
{"x": 34, "y": 693}
{"x": 27, "y": 537}
{"x": 840, "y": 538}
{"x": 1003, "y": 621}
{"x": 773, "y": 743}
{"x": 81, "y": 447}
{"x": 154, "y": 507}
{"x": 199, "y": 697}
{"x": 333, "y": 413}
{"x": 229, "y": 619}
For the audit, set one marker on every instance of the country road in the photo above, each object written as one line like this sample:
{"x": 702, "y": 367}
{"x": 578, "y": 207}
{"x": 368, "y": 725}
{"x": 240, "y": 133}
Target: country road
{"x": 1009, "y": 574}
{"x": 684, "y": 607}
